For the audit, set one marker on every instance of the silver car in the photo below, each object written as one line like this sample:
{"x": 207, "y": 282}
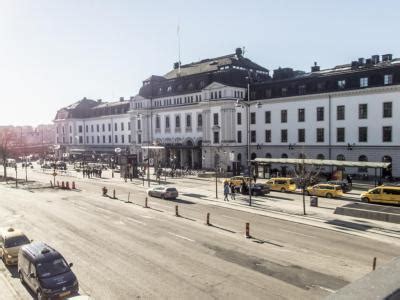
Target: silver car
{"x": 163, "y": 192}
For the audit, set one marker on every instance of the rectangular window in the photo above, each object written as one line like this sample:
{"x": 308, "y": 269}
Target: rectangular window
{"x": 387, "y": 109}
{"x": 283, "y": 116}
{"x": 216, "y": 137}
{"x": 103, "y": 127}
{"x": 320, "y": 135}
{"x": 116, "y": 139}
{"x": 239, "y": 136}
{"x": 122, "y": 139}
{"x": 284, "y": 92}
{"x": 91, "y": 128}
{"x": 129, "y": 138}
{"x": 98, "y": 128}
{"x": 98, "y": 139}
{"x": 139, "y": 125}
{"x": 109, "y": 139}
{"x": 364, "y": 82}
{"x": 302, "y": 89}
{"x": 104, "y": 139}
{"x": 115, "y": 127}
{"x": 340, "y": 112}
{"x": 388, "y": 79}
{"x": 253, "y": 118}
{"x": 387, "y": 134}
{"x": 268, "y": 136}
{"x": 320, "y": 113}
{"x": 86, "y": 128}
{"x": 301, "y": 115}
{"x": 253, "y": 136}
{"x": 268, "y": 117}
{"x": 340, "y": 135}
{"x": 80, "y": 129}
{"x": 109, "y": 127}
{"x": 363, "y": 134}
{"x": 129, "y": 125}
{"x": 283, "y": 135}
{"x": 122, "y": 126}
{"x": 87, "y": 140}
{"x": 92, "y": 139}
{"x": 341, "y": 84}
{"x": 301, "y": 135}
{"x": 239, "y": 118}
{"x": 215, "y": 116}
{"x": 139, "y": 138}
{"x": 363, "y": 111}
{"x": 80, "y": 139}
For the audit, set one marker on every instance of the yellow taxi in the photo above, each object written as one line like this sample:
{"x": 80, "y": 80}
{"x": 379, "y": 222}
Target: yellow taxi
{"x": 325, "y": 190}
{"x": 281, "y": 184}
{"x": 11, "y": 240}
{"x": 382, "y": 194}
{"x": 237, "y": 180}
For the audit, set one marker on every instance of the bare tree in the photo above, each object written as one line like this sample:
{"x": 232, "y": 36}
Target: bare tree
{"x": 306, "y": 175}
{"x": 6, "y": 139}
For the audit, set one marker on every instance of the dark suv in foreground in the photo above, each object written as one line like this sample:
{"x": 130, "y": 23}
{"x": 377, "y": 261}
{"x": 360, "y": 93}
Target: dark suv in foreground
{"x": 45, "y": 271}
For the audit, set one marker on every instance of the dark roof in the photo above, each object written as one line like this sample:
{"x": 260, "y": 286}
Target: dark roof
{"x": 212, "y": 65}
{"x": 40, "y": 251}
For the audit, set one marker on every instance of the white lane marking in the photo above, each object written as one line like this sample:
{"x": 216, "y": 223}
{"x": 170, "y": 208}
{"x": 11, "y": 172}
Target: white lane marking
{"x": 325, "y": 289}
{"x": 180, "y": 236}
{"x": 296, "y": 233}
{"x": 147, "y": 217}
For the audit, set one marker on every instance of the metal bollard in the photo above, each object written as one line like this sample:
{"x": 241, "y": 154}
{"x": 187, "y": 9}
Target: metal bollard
{"x": 129, "y": 195}
{"x": 114, "y": 194}
{"x": 58, "y": 183}
{"x": 67, "y": 185}
{"x": 208, "y": 219}
{"x": 51, "y": 183}
{"x": 73, "y": 185}
{"x": 248, "y": 231}
{"x": 62, "y": 185}
{"x": 145, "y": 203}
{"x": 176, "y": 211}
{"x": 374, "y": 264}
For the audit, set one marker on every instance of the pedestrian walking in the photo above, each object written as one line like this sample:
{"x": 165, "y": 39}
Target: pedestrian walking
{"x": 232, "y": 186}
{"x": 226, "y": 192}
{"x": 349, "y": 180}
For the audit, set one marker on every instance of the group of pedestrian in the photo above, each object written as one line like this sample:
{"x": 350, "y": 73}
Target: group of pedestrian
{"x": 229, "y": 189}
{"x": 91, "y": 172}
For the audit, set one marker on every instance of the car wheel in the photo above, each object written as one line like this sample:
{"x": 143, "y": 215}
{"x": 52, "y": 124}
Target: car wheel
{"x": 149, "y": 193}
{"x": 365, "y": 199}
{"x": 21, "y": 277}
{"x": 329, "y": 195}
{"x": 283, "y": 190}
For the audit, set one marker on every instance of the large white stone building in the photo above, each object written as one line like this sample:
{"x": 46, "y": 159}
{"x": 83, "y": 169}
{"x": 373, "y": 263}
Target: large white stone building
{"x": 348, "y": 112}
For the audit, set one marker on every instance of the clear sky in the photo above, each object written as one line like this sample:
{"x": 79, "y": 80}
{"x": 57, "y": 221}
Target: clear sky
{"x": 55, "y": 52}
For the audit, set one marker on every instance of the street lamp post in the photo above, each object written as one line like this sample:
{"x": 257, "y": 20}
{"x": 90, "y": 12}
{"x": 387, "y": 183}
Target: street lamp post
{"x": 247, "y": 104}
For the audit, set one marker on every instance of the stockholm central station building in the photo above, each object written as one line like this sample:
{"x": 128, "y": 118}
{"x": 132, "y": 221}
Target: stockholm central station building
{"x": 220, "y": 112}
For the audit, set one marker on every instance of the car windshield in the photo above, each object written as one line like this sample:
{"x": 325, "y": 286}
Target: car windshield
{"x": 51, "y": 268}
{"x": 16, "y": 241}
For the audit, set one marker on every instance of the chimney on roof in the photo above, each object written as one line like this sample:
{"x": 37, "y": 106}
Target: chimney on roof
{"x": 99, "y": 100}
{"x": 315, "y": 67}
{"x": 368, "y": 61}
{"x": 176, "y": 65}
{"x": 354, "y": 64}
{"x": 121, "y": 99}
{"x": 387, "y": 57}
{"x": 361, "y": 61}
{"x": 84, "y": 98}
{"x": 375, "y": 59}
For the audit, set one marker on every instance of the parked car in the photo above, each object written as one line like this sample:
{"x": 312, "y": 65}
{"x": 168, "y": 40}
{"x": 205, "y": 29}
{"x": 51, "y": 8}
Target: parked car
{"x": 11, "y": 240}
{"x": 344, "y": 185}
{"x": 382, "y": 194}
{"x": 45, "y": 271}
{"x": 163, "y": 192}
{"x": 325, "y": 190}
{"x": 281, "y": 184}
{"x": 259, "y": 189}
{"x": 237, "y": 181}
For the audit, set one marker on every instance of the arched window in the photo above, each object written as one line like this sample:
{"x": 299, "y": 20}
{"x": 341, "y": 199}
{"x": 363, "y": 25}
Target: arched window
{"x": 320, "y": 156}
{"x": 157, "y": 122}
{"x": 167, "y": 122}
{"x": 362, "y": 169}
{"x": 199, "y": 120}
{"x": 188, "y": 121}
{"x": 268, "y": 155}
{"x": 284, "y": 155}
{"x": 239, "y": 157}
{"x": 253, "y": 156}
{"x": 302, "y": 156}
{"x": 177, "y": 122}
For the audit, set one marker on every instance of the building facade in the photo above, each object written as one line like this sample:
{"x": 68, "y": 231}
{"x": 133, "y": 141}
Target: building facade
{"x": 220, "y": 112}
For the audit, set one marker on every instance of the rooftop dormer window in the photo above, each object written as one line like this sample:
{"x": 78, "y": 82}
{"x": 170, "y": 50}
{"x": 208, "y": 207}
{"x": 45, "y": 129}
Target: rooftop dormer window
{"x": 364, "y": 82}
{"x": 169, "y": 89}
{"x": 190, "y": 86}
{"x": 202, "y": 84}
{"x": 341, "y": 84}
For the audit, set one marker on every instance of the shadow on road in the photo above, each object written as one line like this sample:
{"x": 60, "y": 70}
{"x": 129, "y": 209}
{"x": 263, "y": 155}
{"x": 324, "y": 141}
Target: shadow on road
{"x": 224, "y": 229}
{"x": 180, "y": 201}
{"x": 13, "y": 271}
{"x": 349, "y": 225}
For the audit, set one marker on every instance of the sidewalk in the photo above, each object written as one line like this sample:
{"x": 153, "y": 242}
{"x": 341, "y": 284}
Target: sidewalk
{"x": 6, "y": 290}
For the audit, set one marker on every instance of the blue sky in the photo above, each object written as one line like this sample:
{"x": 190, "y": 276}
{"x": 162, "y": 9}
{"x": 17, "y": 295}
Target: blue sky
{"x": 55, "y": 52}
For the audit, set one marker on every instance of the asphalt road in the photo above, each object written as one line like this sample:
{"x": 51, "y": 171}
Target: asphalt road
{"x": 124, "y": 251}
